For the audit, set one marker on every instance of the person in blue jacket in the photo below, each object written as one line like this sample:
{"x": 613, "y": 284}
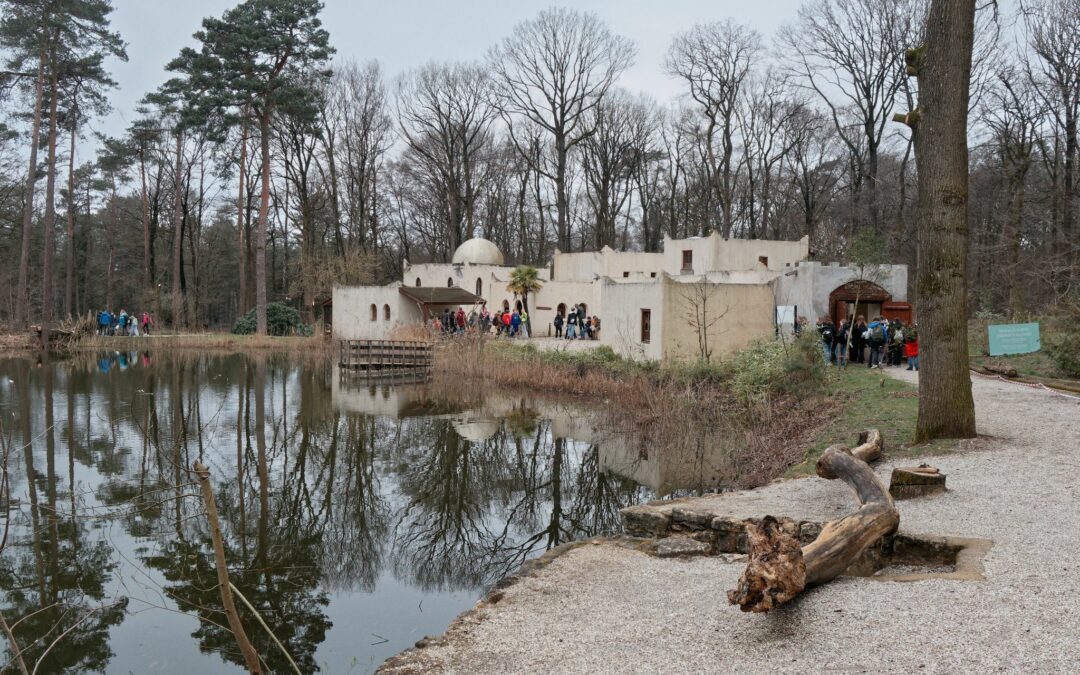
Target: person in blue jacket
{"x": 877, "y": 336}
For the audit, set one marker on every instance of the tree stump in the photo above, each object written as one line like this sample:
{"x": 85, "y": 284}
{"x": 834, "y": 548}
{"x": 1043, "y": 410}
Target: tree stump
{"x": 918, "y": 481}
{"x": 779, "y": 570}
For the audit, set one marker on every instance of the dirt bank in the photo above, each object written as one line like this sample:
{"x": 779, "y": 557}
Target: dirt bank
{"x": 610, "y": 608}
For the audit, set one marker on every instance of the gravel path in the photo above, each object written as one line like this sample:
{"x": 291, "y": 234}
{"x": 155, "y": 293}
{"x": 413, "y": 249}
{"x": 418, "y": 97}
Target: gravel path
{"x": 607, "y": 609}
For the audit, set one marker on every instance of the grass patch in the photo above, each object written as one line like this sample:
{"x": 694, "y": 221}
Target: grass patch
{"x": 868, "y": 399}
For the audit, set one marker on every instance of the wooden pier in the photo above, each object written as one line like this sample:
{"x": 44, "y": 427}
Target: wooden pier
{"x": 385, "y": 355}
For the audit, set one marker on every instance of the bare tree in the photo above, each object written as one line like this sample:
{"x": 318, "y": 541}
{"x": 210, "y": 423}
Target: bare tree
{"x": 356, "y": 134}
{"x": 702, "y": 313}
{"x": 715, "y": 60}
{"x": 445, "y": 115}
{"x": 851, "y": 54}
{"x": 610, "y": 157}
{"x": 1054, "y": 37}
{"x": 552, "y": 71}
{"x": 1012, "y": 111}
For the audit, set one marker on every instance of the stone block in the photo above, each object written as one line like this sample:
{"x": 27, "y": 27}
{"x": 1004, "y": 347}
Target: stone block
{"x": 730, "y": 535}
{"x": 679, "y": 546}
{"x": 645, "y": 521}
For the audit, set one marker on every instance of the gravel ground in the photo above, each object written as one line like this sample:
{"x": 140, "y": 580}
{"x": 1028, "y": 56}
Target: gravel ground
{"x": 608, "y": 609}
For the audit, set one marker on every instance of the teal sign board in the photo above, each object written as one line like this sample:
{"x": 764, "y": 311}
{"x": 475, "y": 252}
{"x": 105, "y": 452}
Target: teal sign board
{"x": 1014, "y": 338}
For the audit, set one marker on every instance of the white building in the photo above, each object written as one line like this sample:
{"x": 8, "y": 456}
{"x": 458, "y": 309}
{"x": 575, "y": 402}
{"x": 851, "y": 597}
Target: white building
{"x": 704, "y": 294}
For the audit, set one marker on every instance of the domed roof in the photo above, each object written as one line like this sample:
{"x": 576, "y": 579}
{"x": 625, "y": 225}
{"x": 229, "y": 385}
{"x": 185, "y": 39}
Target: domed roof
{"x": 478, "y": 251}
{"x": 475, "y": 429}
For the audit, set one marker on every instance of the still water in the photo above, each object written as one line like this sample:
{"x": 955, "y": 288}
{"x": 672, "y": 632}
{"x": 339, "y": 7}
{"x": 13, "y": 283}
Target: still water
{"x": 357, "y": 518}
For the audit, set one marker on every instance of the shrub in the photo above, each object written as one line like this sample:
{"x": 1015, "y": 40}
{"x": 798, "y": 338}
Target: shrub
{"x": 772, "y": 366}
{"x": 280, "y": 320}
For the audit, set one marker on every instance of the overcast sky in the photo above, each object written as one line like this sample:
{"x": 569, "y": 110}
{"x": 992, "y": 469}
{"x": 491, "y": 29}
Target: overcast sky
{"x": 405, "y": 33}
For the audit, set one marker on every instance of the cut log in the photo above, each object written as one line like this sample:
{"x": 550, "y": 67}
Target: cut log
{"x": 779, "y": 570}
{"x": 917, "y": 481}
{"x": 870, "y": 446}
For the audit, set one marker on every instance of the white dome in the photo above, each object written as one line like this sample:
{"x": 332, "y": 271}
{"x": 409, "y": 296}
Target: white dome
{"x": 478, "y": 251}
{"x": 475, "y": 429}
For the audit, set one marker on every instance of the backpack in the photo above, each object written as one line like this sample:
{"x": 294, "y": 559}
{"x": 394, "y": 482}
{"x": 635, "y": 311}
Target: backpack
{"x": 877, "y": 332}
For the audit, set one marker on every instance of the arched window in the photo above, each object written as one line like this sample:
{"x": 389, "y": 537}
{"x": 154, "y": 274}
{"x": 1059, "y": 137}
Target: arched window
{"x": 386, "y": 312}
{"x": 479, "y": 287}
{"x": 450, "y": 282}
{"x": 374, "y": 313}
{"x": 418, "y": 282}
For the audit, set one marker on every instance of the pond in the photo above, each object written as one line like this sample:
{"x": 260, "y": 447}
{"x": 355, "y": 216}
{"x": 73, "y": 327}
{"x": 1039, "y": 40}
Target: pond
{"x": 356, "y": 517}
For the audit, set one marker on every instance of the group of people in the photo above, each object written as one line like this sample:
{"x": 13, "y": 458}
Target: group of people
{"x": 879, "y": 343}
{"x": 577, "y": 324}
{"x": 514, "y": 322}
{"x": 511, "y": 323}
{"x": 123, "y": 324}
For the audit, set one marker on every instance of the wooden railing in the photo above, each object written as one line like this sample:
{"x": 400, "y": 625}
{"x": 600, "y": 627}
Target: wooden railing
{"x": 382, "y": 354}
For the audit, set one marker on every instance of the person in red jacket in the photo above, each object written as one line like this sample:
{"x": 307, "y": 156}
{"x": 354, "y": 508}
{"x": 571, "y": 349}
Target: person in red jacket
{"x": 911, "y": 351}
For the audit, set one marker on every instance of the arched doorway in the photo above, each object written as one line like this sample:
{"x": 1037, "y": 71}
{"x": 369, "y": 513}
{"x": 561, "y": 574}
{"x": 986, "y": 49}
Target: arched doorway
{"x": 561, "y": 310}
{"x": 450, "y": 282}
{"x": 418, "y": 282}
{"x": 869, "y": 298}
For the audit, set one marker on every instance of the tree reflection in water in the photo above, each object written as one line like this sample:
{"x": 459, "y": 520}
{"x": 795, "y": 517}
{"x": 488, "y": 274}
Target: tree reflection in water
{"x": 318, "y": 506}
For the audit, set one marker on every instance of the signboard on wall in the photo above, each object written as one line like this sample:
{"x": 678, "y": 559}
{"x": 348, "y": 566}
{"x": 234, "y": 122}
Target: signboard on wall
{"x": 1014, "y": 338}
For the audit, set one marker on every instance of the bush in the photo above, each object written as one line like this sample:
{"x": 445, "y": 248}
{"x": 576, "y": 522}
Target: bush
{"x": 280, "y": 320}
{"x": 773, "y": 366}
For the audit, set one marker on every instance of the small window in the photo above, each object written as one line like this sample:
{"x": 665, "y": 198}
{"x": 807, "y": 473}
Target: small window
{"x": 625, "y": 275}
{"x": 687, "y": 260}
{"x": 646, "y": 325}
{"x": 386, "y": 312}
{"x": 450, "y": 282}
{"x": 374, "y": 313}
{"x": 763, "y": 259}
{"x": 418, "y": 282}
{"x": 652, "y": 275}
{"x": 479, "y": 287}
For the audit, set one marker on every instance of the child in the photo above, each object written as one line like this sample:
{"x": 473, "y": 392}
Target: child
{"x": 911, "y": 351}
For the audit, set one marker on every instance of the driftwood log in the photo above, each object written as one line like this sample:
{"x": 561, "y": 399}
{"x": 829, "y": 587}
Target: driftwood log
{"x": 779, "y": 570}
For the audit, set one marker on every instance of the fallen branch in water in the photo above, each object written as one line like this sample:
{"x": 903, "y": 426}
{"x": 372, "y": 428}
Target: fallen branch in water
{"x": 251, "y": 657}
{"x": 779, "y": 570}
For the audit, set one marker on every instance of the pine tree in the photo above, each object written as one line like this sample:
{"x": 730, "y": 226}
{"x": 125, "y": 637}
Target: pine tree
{"x": 260, "y": 59}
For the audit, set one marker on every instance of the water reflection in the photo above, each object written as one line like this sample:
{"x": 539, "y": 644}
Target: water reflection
{"x": 356, "y": 517}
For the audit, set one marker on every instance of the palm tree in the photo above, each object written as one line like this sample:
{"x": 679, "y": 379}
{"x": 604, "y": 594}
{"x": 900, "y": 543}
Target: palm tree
{"x": 525, "y": 280}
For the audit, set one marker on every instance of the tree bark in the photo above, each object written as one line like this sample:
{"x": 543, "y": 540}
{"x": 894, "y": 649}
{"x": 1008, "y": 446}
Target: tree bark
{"x": 69, "y": 248}
{"x": 148, "y": 275}
{"x": 779, "y": 570}
{"x": 47, "y": 292}
{"x": 241, "y": 306}
{"x": 946, "y": 407}
{"x": 260, "y": 234}
{"x": 22, "y": 298}
{"x": 178, "y": 235}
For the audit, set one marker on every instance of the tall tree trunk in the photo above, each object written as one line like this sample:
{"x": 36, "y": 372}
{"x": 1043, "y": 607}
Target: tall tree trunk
{"x": 1068, "y": 207}
{"x": 1012, "y": 238}
{"x": 946, "y": 407}
{"x": 562, "y": 225}
{"x": 69, "y": 249}
{"x": 178, "y": 236}
{"x": 241, "y": 204}
{"x": 148, "y": 274}
{"x": 22, "y": 298}
{"x": 47, "y": 292}
{"x": 260, "y": 235}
